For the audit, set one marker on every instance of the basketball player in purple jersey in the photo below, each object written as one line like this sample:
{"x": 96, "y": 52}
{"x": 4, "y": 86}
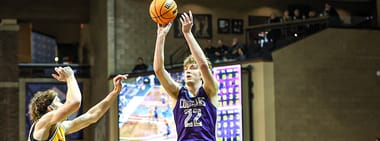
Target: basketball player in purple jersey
{"x": 195, "y": 103}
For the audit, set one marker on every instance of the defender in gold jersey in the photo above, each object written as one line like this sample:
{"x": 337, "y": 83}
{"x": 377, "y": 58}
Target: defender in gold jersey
{"x": 49, "y": 115}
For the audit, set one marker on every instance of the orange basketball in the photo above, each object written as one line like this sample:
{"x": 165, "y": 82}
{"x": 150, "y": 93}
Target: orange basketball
{"x": 163, "y": 11}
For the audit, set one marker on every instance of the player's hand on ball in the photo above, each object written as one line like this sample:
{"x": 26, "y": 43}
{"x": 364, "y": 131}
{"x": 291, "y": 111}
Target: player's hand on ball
{"x": 163, "y": 29}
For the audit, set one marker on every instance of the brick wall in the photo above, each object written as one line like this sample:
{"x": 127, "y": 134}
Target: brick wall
{"x": 43, "y": 11}
{"x": 9, "y": 125}
{"x": 326, "y": 87}
{"x": 9, "y": 109}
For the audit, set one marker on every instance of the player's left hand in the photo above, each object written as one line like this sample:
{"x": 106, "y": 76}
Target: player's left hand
{"x": 187, "y": 22}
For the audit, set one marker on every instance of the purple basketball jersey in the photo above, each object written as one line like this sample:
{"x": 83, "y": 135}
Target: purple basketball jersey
{"x": 195, "y": 117}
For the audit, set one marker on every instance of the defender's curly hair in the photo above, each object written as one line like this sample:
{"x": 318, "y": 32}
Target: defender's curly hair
{"x": 190, "y": 60}
{"x": 39, "y": 104}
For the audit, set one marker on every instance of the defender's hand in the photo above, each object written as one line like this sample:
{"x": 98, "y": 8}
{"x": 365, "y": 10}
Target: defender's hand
{"x": 117, "y": 81}
{"x": 63, "y": 73}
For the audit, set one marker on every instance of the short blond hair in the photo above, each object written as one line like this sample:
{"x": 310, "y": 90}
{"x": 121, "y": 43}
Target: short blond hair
{"x": 190, "y": 60}
{"x": 39, "y": 104}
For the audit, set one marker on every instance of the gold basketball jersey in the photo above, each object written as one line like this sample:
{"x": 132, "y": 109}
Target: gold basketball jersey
{"x": 58, "y": 134}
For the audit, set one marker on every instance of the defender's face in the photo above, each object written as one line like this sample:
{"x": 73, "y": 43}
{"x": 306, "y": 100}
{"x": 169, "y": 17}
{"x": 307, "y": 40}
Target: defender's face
{"x": 192, "y": 73}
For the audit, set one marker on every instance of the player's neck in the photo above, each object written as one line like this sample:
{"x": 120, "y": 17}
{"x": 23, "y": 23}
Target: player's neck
{"x": 193, "y": 87}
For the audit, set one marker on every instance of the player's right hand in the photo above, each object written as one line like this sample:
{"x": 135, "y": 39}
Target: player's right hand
{"x": 63, "y": 73}
{"x": 163, "y": 29}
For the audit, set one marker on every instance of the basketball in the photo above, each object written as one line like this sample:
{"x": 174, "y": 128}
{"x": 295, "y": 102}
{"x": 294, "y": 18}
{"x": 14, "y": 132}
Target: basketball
{"x": 163, "y": 11}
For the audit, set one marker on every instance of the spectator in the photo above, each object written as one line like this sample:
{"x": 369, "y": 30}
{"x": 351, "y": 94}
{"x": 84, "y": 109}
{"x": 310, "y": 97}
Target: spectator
{"x": 296, "y": 14}
{"x": 312, "y": 28}
{"x": 312, "y": 14}
{"x": 140, "y": 66}
{"x": 209, "y": 50}
{"x": 273, "y": 18}
{"x": 236, "y": 51}
{"x": 275, "y": 33}
{"x": 286, "y": 17}
{"x": 253, "y": 49}
{"x": 334, "y": 19}
{"x": 300, "y": 29}
{"x": 220, "y": 51}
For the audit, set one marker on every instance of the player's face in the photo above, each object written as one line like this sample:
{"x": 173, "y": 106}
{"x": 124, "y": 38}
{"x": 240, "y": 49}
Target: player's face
{"x": 56, "y": 103}
{"x": 192, "y": 73}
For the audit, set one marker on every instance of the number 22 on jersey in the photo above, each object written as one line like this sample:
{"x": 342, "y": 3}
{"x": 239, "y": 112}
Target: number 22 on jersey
{"x": 192, "y": 122}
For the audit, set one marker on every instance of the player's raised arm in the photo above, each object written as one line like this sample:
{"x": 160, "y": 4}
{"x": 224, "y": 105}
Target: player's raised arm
{"x": 73, "y": 99}
{"x": 97, "y": 111}
{"x": 47, "y": 112}
{"x": 158, "y": 64}
{"x": 210, "y": 84}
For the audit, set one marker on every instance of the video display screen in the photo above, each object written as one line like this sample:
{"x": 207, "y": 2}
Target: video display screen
{"x": 145, "y": 109}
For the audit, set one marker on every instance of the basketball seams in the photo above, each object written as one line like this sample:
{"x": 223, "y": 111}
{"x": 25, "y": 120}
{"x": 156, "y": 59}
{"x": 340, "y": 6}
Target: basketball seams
{"x": 174, "y": 5}
{"x": 153, "y": 13}
{"x": 161, "y": 21}
{"x": 156, "y": 17}
{"x": 174, "y": 15}
{"x": 169, "y": 10}
{"x": 152, "y": 9}
{"x": 162, "y": 5}
{"x": 155, "y": 9}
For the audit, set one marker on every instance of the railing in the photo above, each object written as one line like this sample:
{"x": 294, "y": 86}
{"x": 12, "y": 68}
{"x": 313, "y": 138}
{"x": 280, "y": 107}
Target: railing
{"x": 262, "y": 39}
{"x": 289, "y": 29}
{"x": 45, "y": 70}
